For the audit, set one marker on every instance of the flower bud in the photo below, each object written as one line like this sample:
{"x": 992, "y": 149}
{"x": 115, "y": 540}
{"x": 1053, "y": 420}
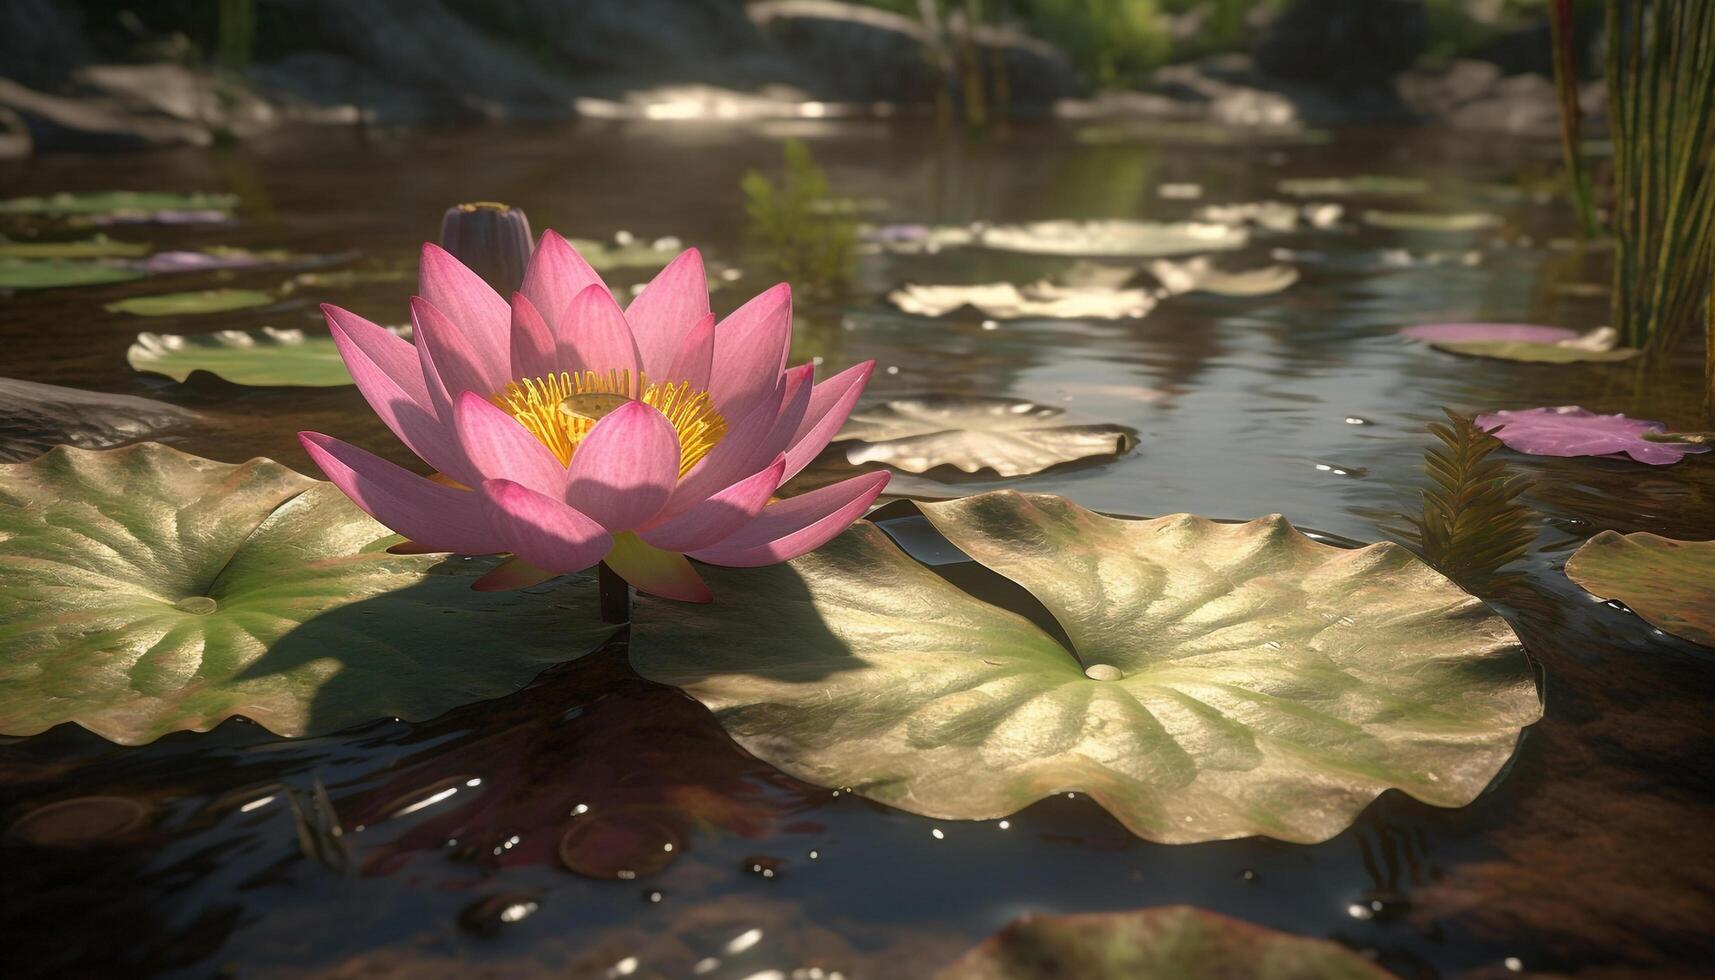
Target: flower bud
{"x": 492, "y": 240}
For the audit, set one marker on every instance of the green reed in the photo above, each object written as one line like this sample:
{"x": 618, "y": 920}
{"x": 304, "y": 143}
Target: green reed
{"x": 805, "y": 235}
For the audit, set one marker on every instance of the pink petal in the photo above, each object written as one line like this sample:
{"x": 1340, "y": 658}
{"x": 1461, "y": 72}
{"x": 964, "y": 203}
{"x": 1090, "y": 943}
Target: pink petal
{"x": 501, "y": 449}
{"x": 482, "y": 316}
{"x": 662, "y": 573}
{"x": 830, "y": 403}
{"x": 513, "y": 573}
{"x": 747, "y": 447}
{"x": 668, "y": 309}
{"x": 796, "y": 525}
{"x": 593, "y": 335}
{"x": 624, "y": 470}
{"x": 392, "y": 354}
{"x": 456, "y": 361}
{"x": 532, "y": 342}
{"x": 556, "y": 274}
{"x": 695, "y": 356}
{"x": 719, "y": 516}
{"x": 430, "y": 514}
{"x": 750, "y": 350}
{"x": 541, "y": 530}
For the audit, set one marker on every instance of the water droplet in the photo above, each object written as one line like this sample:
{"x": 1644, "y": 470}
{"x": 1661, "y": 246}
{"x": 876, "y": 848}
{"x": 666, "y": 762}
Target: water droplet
{"x": 743, "y": 941}
{"x": 991, "y": 325}
{"x": 196, "y": 605}
{"x": 486, "y": 916}
{"x": 1513, "y": 964}
{"x": 1103, "y": 672}
{"x": 764, "y": 866}
{"x": 936, "y": 833}
{"x": 1006, "y": 824}
{"x": 1361, "y": 912}
{"x": 893, "y": 369}
{"x": 1357, "y": 420}
{"x": 707, "y": 964}
{"x": 622, "y": 843}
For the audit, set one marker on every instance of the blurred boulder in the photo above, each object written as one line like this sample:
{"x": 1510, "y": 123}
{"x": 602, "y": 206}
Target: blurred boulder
{"x": 56, "y": 122}
{"x": 1344, "y": 43}
{"x": 40, "y": 44}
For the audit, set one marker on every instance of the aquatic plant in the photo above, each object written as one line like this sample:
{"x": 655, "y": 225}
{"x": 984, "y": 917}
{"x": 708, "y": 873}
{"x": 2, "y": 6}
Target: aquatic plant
{"x": 573, "y": 432}
{"x": 1660, "y": 59}
{"x": 1563, "y": 32}
{"x": 1472, "y": 524}
{"x": 806, "y": 237}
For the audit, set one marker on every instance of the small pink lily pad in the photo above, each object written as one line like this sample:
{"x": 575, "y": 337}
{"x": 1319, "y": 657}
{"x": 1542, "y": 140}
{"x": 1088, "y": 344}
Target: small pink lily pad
{"x": 1573, "y": 431}
{"x": 1465, "y": 333}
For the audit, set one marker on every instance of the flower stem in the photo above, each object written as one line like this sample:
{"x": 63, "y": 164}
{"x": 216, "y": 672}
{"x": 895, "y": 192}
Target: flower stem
{"x": 615, "y": 595}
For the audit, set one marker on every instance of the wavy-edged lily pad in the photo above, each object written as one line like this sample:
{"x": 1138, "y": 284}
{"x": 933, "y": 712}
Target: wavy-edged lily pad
{"x": 54, "y": 273}
{"x": 1573, "y": 431}
{"x": 268, "y": 356}
{"x": 1175, "y": 941}
{"x": 1671, "y": 584}
{"x": 1199, "y": 275}
{"x": 1365, "y": 185}
{"x": 1011, "y": 436}
{"x": 1463, "y": 333}
{"x": 1004, "y": 301}
{"x": 1459, "y": 221}
{"x": 1114, "y": 238}
{"x": 1261, "y": 683}
{"x": 117, "y": 202}
{"x": 145, "y": 591}
{"x": 97, "y": 247}
{"x": 201, "y": 301}
{"x": 1526, "y": 342}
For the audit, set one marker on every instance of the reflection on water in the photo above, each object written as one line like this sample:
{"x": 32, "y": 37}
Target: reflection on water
{"x": 595, "y": 825}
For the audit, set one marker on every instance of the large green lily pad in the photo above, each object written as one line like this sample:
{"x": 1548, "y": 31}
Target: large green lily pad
{"x": 117, "y": 202}
{"x": 1671, "y": 584}
{"x": 972, "y": 433}
{"x": 1175, "y": 941}
{"x": 53, "y": 273}
{"x": 1229, "y": 680}
{"x": 145, "y": 591}
{"x": 200, "y": 301}
{"x": 268, "y": 356}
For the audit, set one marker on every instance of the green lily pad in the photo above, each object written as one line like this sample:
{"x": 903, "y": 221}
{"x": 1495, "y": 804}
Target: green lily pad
{"x": 52, "y": 273}
{"x": 1373, "y": 185}
{"x": 268, "y": 356}
{"x": 1229, "y": 680}
{"x": 112, "y": 202}
{"x": 1011, "y": 436}
{"x": 1425, "y": 221}
{"x": 145, "y": 591}
{"x": 1537, "y": 353}
{"x": 201, "y": 301}
{"x": 1171, "y": 941}
{"x": 98, "y": 247}
{"x": 1671, "y": 584}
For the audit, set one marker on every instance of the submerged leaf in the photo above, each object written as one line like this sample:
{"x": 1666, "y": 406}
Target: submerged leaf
{"x": 1175, "y": 941}
{"x": 53, "y": 273}
{"x": 145, "y": 591}
{"x": 1573, "y": 431}
{"x": 203, "y": 301}
{"x": 268, "y": 356}
{"x": 1011, "y": 436}
{"x": 1266, "y": 684}
{"x": 1472, "y": 524}
{"x": 1671, "y": 584}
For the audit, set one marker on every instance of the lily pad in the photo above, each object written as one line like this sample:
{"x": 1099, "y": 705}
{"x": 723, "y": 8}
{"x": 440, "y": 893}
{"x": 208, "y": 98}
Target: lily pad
{"x": 268, "y": 356}
{"x": 1171, "y": 941}
{"x": 53, "y": 273}
{"x": 1263, "y": 683}
{"x": 203, "y": 301}
{"x": 117, "y": 202}
{"x": 1561, "y": 353}
{"x": 1140, "y": 239}
{"x": 1523, "y": 342}
{"x": 98, "y": 247}
{"x": 1199, "y": 275}
{"x": 1367, "y": 185}
{"x": 1011, "y": 436}
{"x": 1004, "y": 301}
{"x": 35, "y": 418}
{"x": 1273, "y": 215}
{"x": 1671, "y": 584}
{"x": 145, "y": 591}
{"x": 1573, "y": 431}
{"x": 1426, "y": 221}
{"x": 1462, "y": 333}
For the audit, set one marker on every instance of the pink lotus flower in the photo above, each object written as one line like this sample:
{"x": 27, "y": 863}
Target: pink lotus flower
{"x": 567, "y": 431}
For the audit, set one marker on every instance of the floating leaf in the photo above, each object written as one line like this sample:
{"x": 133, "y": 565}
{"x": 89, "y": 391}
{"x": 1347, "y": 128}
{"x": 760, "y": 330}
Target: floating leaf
{"x": 1171, "y": 941}
{"x": 1273, "y": 215}
{"x": 1266, "y": 684}
{"x": 35, "y": 417}
{"x": 1199, "y": 275}
{"x": 1368, "y": 185}
{"x": 1004, "y": 301}
{"x": 1140, "y": 239}
{"x": 1462, "y": 333}
{"x": 1422, "y": 221}
{"x": 1671, "y": 584}
{"x": 1523, "y": 342}
{"x": 98, "y": 247}
{"x": 117, "y": 202}
{"x": 145, "y": 591}
{"x": 268, "y": 356}
{"x": 223, "y": 257}
{"x": 1540, "y": 353}
{"x": 179, "y": 304}
{"x": 1573, "y": 431}
{"x": 1011, "y": 436}
{"x": 53, "y": 273}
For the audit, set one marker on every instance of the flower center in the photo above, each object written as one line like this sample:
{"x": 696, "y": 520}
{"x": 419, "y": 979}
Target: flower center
{"x": 561, "y": 409}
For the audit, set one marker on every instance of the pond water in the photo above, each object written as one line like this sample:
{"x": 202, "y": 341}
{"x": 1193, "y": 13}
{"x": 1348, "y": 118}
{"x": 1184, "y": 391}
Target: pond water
{"x": 1589, "y": 854}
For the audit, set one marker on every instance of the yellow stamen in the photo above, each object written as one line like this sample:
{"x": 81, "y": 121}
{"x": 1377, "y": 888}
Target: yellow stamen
{"x": 561, "y": 409}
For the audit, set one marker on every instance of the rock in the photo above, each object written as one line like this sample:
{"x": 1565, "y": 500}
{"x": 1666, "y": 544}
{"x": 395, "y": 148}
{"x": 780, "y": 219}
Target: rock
{"x": 1432, "y": 93}
{"x": 319, "y": 87}
{"x": 1474, "y": 95}
{"x": 15, "y": 142}
{"x": 659, "y": 41}
{"x": 1344, "y": 43}
{"x": 64, "y": 123}
{"x": 40, "y": 43}
{"x": 180, "y": 93}
{"x": 37, "y": 417}
{"x": 1227, "y": 90}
